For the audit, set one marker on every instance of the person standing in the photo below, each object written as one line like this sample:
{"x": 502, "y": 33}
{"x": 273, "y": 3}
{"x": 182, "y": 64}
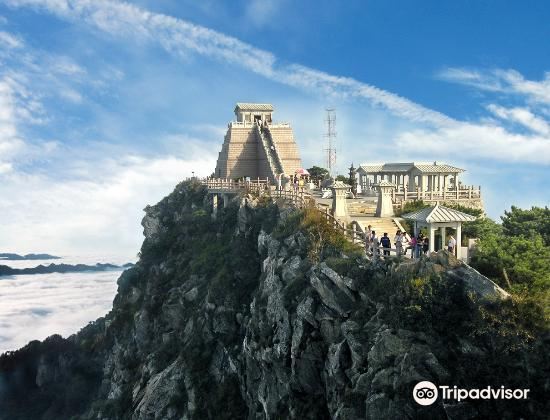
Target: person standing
{"x": 375, "y": 245}
{"x": 419, "y": 245}
{"x": 426, "y": 245}
{"x": 368, "y": 237}
{"x": 451, "y": 245}
{"x": 386, "y": 244}
{"x": 405, "y": 242}
{"x": 398, "y": 240}
{"x": 412, "y": 246}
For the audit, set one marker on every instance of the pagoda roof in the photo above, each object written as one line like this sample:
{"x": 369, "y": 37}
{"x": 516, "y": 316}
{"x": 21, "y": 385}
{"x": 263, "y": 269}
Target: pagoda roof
{"x": 246, "y": 106}
{"x": 438, "y": 214}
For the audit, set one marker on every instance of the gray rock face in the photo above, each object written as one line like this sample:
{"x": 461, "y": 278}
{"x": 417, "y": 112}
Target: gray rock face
{"x": 481, "y": 286}
{"x": 151, "y": 223}
{"x": 234, "y": 322}
{"x": 157, "y": 395}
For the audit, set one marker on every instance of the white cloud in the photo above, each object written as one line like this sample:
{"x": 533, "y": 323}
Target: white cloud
{"x": 71, "y": 95}
{"x": 97, "y": 204}
{"x": 264, "y": 12}
{"x": 181, "y": 37}
{"x": 501, "y": 80}
{"x": 522, "y": 116}
{"x": 11, "y": 41}
{"x": 10, "y": 143}
{"x": 478, "y": 142}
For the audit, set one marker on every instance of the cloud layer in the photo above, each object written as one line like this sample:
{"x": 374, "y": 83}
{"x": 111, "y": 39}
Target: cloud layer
{"x": 37, "y": 306}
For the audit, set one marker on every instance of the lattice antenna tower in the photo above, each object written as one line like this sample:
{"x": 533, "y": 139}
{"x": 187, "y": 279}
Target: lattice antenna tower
{"x": 330, "y": 136}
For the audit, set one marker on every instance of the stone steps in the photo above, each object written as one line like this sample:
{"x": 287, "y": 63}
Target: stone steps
{"x": 361, "y": 208}
{"x": 380, "y": 225}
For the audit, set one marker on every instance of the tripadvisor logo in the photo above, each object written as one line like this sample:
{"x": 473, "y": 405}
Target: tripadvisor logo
{"x": 425, "y": 393}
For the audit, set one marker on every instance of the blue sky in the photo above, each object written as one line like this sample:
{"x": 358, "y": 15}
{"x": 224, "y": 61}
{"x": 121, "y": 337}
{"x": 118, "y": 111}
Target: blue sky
{"x": 105, "y": 106}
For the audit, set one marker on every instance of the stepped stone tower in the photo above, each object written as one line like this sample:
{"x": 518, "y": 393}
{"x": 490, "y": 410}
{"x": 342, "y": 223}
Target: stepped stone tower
{"x": 256, "y": 147}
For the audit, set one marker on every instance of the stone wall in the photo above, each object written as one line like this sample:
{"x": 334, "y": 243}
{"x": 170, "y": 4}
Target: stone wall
{"x": 239, "y": 154}
{"x": 243, "y": 155}
{"x": 287, "y": 149}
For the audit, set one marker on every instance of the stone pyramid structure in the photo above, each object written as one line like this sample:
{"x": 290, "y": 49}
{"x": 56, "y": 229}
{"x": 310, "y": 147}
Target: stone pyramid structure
{"x": 256, "y": 147}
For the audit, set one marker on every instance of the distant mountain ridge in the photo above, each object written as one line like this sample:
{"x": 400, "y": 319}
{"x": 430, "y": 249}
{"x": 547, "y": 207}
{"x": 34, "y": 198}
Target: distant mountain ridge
{"x": 60, "y": 268}
{"x": 17, "y": 257}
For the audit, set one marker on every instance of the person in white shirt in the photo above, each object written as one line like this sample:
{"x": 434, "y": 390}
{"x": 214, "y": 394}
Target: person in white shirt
{"x": 398, "y": 240}
{"x": 375, "y": 244}
{"x": 451, "y": 245}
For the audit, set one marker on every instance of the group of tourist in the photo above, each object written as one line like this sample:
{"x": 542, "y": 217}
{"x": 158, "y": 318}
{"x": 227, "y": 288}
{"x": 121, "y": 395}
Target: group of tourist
{"x": 296, "y": 182}
{"x": 419, "y": 245}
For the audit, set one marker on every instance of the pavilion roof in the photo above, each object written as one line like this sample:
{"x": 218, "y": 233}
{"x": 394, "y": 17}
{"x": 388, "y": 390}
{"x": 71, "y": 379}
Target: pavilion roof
{"x": 246, "y": 106}
{"x": 438, "y": 214}
{"x": 437, "y": 168}
{"x": 404, "y": 167}
{"x": 386, "y": 167}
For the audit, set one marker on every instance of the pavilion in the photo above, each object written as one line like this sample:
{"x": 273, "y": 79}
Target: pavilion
{"x": 441, "y": 217}
{"x": 426, "y": 176}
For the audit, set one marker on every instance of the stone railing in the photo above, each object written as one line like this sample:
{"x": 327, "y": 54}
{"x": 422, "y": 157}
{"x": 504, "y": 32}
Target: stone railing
{"x": 251, "y": 124}
{"x": 460, "y": 194}
{"x": 221, "y": 185}
{"x": 299, "y": 198}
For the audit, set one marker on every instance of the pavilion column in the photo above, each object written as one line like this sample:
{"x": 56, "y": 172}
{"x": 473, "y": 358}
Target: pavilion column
{"x": 432, "y": 238}
{"x": 430, "y": 183}
{"x": 442, "y": 232}
{"x": 214, "y": 205}
{"x": 458, "y": 240}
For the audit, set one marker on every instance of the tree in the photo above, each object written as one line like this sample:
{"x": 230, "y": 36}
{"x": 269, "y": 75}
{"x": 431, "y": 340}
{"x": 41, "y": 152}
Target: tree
{"x": 482, "y": 227}
{"x": 515, "y": 255}
{"x": 519, "y": 222}
{"x": 317, "y": 173}
{"x": 342, "y": 178}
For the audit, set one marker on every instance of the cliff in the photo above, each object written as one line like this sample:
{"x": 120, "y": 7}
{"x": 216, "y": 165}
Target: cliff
{"x": 266, "y": 312}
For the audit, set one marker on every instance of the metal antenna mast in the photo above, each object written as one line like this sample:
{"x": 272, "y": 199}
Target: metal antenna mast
{"x": 330, "y": 135}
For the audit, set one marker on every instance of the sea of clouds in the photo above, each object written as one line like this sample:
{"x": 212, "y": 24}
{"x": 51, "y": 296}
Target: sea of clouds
{"x": 33, "y": 307}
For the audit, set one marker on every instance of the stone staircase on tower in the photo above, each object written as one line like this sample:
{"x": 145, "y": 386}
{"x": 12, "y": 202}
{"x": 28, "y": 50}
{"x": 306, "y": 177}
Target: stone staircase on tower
{"x": 272, "y": 157}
